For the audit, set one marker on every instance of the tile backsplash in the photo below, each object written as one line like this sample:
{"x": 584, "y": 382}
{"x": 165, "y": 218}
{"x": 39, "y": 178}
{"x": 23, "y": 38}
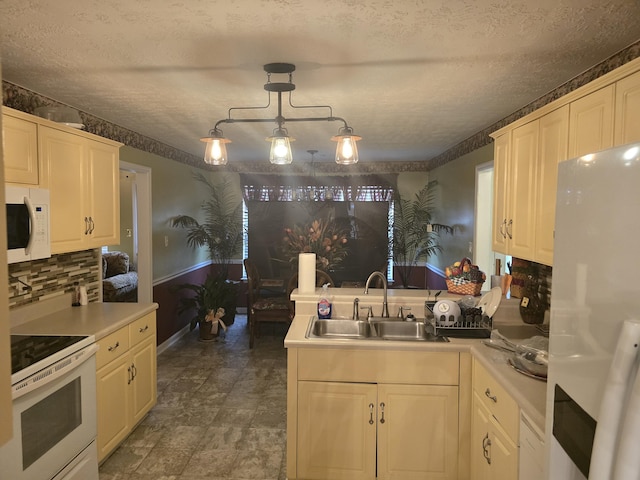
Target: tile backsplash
{"x": 54, "y": 276}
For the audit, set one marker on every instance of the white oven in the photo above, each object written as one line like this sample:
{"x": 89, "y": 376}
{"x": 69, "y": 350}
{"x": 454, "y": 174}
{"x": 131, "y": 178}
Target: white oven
{"x": 54, "y": 414}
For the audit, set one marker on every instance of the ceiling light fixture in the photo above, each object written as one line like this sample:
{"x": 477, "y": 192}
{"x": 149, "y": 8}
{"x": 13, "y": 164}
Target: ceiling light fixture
{"x": 280, "y": 153}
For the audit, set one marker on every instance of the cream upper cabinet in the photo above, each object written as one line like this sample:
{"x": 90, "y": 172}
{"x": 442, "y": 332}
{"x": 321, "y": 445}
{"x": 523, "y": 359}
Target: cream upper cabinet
{"x": 591, "y": 122}
{"x": 525, "y": 182}
{"x": 103, "y": 164}
{"x": 20, "y": 137}
{"x": 627, "y": 116}
{"x": 552, "y": 149}
{"x": 500, "y": 192}
{"x": 82, "y": 176}
{"x": 522, "y": 190}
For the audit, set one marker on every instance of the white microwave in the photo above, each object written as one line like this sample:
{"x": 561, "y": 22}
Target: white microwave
{"x": 28, "y": 223}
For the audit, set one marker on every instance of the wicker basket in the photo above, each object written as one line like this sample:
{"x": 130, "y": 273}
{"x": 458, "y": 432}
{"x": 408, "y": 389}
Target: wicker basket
{"x": 467, "y": 288}
{"x": 469, "y": 283}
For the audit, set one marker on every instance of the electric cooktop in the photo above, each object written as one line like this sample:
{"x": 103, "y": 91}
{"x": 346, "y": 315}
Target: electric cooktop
{"x": 27, "y": 350}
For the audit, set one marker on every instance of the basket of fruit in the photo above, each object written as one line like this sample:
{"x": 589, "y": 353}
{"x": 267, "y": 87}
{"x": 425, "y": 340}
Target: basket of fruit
{"x": 464, "y": 278}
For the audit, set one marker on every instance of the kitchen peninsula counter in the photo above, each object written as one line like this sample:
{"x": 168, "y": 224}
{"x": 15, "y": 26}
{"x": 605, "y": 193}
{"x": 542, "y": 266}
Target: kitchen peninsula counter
{"x": 529, "y": 393}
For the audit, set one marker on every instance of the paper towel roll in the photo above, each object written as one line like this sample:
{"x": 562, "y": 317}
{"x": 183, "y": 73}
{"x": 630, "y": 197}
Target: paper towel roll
{"x": 307, "y": 273}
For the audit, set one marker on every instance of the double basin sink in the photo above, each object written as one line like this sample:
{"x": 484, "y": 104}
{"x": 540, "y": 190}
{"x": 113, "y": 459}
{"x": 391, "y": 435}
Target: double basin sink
{"x": 376, "y": 328}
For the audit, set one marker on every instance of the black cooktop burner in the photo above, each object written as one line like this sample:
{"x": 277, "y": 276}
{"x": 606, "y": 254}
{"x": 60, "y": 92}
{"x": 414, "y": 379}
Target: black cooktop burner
{"x": 29, "y": 349}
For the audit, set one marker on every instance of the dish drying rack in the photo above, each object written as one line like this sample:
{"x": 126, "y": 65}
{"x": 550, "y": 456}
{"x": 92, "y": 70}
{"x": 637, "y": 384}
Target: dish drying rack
{"x": 469, "y": 324}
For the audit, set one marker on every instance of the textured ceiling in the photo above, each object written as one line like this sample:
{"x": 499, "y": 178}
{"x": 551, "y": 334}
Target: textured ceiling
{"x": 413, "y": 78}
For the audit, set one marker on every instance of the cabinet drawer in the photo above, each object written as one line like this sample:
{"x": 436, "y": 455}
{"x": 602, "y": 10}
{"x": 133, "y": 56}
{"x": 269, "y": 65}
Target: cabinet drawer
{"x": 501, "y": 405}
{"x": 112, "y": 346}
{"x": 375, "y": 366}
{"x": 142, "y": 328}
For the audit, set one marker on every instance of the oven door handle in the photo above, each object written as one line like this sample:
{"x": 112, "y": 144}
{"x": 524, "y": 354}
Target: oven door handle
{"x": 53, "y": 372}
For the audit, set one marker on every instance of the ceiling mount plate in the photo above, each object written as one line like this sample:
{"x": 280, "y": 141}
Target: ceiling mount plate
{"x": 279, "y": 68}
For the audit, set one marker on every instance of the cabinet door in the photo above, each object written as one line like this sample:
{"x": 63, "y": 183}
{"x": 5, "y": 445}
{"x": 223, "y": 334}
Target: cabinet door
{"x": 417, "y": 432}
{"x": 480, "y": 423}
{"x": 336, "y": 431}
{"x": 591, "y": 122}
{"x": 64, "y": 174}
{"x": 627, "y": 122}
{"x": 554, "y": 145}
{"x": 20, "y": 150}
{"x": 500, "y": 192}
{"x": 522, "y": 197}
{"x": 143, "y": 386}
{"x": 103, "y": 194}
{"x": 114, "y": 405}
{"x": 503, "y": 454}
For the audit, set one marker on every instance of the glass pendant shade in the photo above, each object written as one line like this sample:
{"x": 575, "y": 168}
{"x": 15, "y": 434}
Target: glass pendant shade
{"x": 216, "y": 151}
{"x": 280, "y": 153}
{"x": 347, "y": 149}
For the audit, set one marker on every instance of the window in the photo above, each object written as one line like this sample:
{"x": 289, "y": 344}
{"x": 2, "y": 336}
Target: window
{"x": 365, "y": 211}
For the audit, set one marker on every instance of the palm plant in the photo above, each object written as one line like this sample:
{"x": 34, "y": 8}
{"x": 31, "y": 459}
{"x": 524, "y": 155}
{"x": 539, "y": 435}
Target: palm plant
{"x": 414, "y": 235}
{"x": 221, "y": 232}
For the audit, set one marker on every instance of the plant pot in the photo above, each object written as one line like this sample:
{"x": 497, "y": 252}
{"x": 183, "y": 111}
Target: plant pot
{"x": 205, "y": 331}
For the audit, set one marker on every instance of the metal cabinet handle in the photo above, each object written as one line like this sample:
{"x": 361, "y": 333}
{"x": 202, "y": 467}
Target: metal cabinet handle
{"x": 113, "y": 347}
{"x": 487, "y": 393}
{"x": 134, "y": 372}
{"x": 509, "y": 228}
{"x": 92, "y": 225}
{"x": 86, "y": 225}
{"x": 371, "y": 407}
{"x": 143, "y": 329}
{"x": 130, "y": 379}
{"x": 486, "y": 444}
{"x": 382, "y": 412}
{"x": 503, "y": 228}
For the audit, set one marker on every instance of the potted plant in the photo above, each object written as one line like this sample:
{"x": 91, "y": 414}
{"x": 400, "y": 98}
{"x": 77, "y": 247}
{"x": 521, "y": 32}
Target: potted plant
{"x": 221, "y": 234}
{"x": 415, "y": 236}
{"x": 210, "y": 300}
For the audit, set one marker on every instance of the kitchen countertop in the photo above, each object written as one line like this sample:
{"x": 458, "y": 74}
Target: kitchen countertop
{"x": 529, "y": 393}
{"x": 97, "y": 319}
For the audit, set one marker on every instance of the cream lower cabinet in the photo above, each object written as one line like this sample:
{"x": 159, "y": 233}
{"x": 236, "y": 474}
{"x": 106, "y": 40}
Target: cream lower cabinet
{"x": 82, "y": 175}
{"x": 494, "y": 429}
{"x": 126, "y": 381}
{"x": 400, "y": 422}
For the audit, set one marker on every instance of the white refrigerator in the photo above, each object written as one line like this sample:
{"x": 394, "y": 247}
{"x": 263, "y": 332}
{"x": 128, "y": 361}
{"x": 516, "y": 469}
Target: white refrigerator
{"x": 593, "y": 397}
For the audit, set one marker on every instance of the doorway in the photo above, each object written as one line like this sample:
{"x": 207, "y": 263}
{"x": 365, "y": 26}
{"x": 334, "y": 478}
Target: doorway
{"x": 135, "y": 224}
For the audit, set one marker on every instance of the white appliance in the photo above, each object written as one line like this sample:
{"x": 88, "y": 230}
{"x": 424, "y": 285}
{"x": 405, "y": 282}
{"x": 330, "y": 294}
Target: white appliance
{"x": 54, "y": 409}
{"x": 593, "y": 400}
{"x": 28, "y": 223}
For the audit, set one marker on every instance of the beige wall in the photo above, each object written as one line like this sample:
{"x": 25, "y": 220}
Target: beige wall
{"x": 455, "y": 200}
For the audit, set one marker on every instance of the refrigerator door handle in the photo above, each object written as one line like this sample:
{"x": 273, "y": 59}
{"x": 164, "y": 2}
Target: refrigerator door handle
{"x": 623, "y": 368}
{"x": 627, "y": 461}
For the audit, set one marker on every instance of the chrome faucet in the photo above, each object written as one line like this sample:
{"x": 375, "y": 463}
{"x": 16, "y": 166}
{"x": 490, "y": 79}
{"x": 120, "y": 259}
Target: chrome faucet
{"x": 356, "y": 308}
{"x": 385, "y": 309}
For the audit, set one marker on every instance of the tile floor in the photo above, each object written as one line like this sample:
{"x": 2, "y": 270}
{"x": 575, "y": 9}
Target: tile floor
{"x": 221, "y": 412}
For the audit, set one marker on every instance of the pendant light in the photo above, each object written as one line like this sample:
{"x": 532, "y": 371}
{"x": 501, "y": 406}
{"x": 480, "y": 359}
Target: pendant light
{"x": 280, "y": 153}
{"x": 215, "y": 152}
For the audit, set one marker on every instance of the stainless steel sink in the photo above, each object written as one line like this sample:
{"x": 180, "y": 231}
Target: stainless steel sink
{"x": 340, "y": 328}
{"x": 375, "y": 329}
{"x": 400, "y": 330}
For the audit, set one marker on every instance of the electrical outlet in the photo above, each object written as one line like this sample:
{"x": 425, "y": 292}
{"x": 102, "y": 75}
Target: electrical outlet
{"x": 166, "y": 240}
{"x": 429, "y": 228}
{"x": 129, "y": 233}
{"x": 470, "y": 247}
